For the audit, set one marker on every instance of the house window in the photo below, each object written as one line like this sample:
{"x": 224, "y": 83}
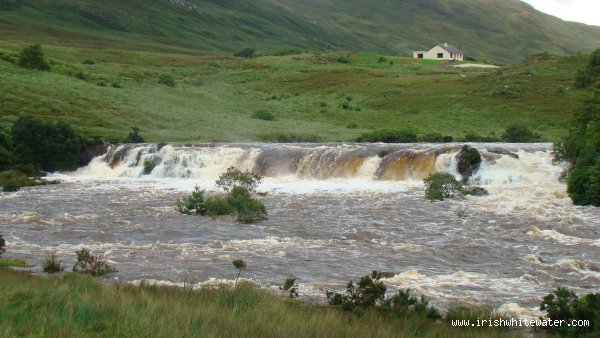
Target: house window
{"x": 420, "y": 55}
{"x": 451, "y": 55}
{"x": 440, "y": 55}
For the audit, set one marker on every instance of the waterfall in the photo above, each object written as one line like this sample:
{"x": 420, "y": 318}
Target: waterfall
{"x": 502, "y": 163}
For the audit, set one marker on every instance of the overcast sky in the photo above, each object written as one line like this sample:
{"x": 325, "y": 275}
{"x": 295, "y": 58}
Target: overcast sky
{"x": 586, "y": 11}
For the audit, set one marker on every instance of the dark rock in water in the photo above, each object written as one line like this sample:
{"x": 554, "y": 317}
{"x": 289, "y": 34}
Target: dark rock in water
{"x": 469, "y": 160}
{"x": 92, "y": 151}
{"x": 476, "y": 191}
{"x": 387, "y": 274}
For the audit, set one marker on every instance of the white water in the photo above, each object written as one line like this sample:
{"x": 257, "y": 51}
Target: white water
{"x": 336, "y": 212}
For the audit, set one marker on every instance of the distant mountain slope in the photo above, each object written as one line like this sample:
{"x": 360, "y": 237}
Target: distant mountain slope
{"x": 504, "y": 30}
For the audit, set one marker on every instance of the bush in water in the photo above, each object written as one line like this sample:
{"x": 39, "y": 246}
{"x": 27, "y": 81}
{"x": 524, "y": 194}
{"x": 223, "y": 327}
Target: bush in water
{"x": 218, "y": 206}
{"x": 234, "y": 177}
{"x": 246, "y": 209}
{"x": 440, "y": 186}
{"x": 238, "y": 202}
{"x": 2, "y": 245}
{"x": 195, "y": 203}
{"x": 89, "y": 264}
{"x": 563, "y": 304}
{"x": 52, "y": 265}
{"x": 369, "y": 292}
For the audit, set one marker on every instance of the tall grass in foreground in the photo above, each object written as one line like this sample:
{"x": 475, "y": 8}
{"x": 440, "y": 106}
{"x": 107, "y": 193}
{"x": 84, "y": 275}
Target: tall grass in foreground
{"x": 76, "y": 306}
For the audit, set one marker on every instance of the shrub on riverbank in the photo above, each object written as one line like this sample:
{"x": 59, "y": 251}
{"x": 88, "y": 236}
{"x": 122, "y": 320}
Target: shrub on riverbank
{"x": 52, "y": 265}
{"x": 48, "y": 146}
{"x": 581, "y": 150}
{"x": 520, "y": 134}
{"x": 563, "y": 304}
{"x": 2, "y": 245}
{"x": 78, "y": 305}
{"x": 14, "y": 180}
{"x": 589, "y": 75}
{"x": 369, "y": 293}
{"x": 90, "y": 264}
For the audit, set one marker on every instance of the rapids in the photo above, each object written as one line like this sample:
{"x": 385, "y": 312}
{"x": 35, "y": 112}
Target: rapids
{"x": 336, "y": 212}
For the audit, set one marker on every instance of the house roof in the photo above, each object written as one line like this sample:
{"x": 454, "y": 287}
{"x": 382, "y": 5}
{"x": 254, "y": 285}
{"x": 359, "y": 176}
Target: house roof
{"x": 449, "y": 48}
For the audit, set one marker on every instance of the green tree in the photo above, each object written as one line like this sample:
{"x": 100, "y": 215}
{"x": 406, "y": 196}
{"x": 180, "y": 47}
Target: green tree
{"x": 32, "y": 57}
{"x": 563, "y": 304}
{"x": 49, "y": 146}
{"x": 591, "y": 73}
{"x": 581, "y": 150}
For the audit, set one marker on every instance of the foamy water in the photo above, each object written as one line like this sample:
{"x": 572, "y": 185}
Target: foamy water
{"x": 336, "y": 212}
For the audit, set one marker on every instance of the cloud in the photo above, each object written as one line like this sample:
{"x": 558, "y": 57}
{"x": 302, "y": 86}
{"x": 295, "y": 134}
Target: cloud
{"x": 585, "y": 11}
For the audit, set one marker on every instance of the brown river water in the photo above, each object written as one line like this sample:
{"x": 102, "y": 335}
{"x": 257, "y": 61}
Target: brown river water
{"x": 336, "y": 212}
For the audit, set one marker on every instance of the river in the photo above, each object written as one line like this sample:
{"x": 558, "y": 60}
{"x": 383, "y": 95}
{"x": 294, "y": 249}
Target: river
{"x": 336, "y": 212}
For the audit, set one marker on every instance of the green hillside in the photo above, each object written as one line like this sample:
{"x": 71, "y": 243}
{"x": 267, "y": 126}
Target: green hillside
{"x": 335, "y": 95}
{"x": 503, "y": 31}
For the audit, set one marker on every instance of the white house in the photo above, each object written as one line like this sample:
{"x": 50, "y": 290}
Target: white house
{"x": 441, "y": 51}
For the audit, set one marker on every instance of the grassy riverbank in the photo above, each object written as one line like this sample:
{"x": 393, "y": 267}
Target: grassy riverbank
{"x": 76, "y": 305}
{"x": 335, "y": 96}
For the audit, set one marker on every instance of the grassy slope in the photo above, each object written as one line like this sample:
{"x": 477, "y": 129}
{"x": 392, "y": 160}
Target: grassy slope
{"x": 79, "y": 306}
{"x": 215, "y": 96}
{"x": 16, "y": 263}
{"x": 499, "y": 30}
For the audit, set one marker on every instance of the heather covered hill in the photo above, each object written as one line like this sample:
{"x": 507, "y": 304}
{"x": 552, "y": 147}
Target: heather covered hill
{"x": 503, "y": 31}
